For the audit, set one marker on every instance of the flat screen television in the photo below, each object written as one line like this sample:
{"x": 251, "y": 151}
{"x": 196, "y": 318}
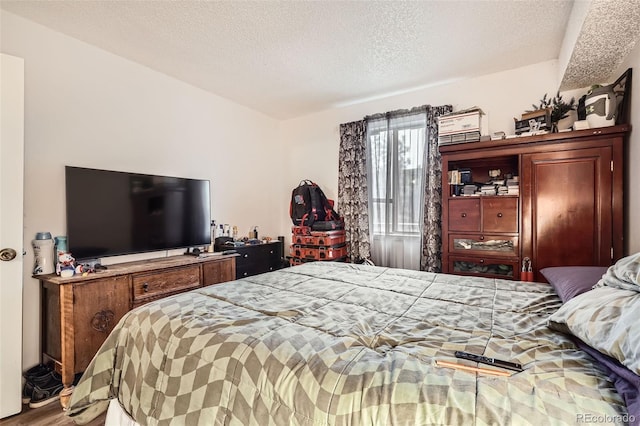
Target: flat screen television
{"x": 113, "y": 213}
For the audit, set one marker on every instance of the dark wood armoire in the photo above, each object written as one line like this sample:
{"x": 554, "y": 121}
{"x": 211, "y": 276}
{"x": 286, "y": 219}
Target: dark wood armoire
{"x": 564, "y": 205}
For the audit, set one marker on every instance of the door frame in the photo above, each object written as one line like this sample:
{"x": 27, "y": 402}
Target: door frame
{"x": 11, "y": 231}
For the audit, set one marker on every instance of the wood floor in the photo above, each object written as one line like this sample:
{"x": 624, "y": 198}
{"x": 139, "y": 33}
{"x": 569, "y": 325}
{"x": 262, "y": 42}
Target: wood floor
{"x": 48, "y": 415}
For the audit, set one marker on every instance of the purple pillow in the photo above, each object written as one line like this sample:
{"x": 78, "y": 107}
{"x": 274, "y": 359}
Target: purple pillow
{"x": 626, "y": 382}
{"x": 570, "y": 281}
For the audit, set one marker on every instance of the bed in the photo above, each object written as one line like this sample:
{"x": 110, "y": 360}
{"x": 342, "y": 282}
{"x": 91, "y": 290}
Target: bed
{"x": 328, "y": 343}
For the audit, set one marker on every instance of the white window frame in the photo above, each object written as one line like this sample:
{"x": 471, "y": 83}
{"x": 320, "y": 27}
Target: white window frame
{"x": 389, "y": 203}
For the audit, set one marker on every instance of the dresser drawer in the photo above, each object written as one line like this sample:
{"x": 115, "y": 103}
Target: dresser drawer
{"x": 250, "y": 258}
{"x": 500, "y": 214}
{"x": 485, "y": 266}
{"x": 155, "y": 285}
{"x": 464, "y": 214}
{"x": 257, "y": 259}
{"x": 483, "y": 245}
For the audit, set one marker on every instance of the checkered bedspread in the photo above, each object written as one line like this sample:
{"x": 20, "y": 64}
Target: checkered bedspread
{"x": 334, "y": 344}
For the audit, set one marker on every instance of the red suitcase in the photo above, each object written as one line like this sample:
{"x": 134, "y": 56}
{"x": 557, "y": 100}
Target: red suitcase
{"x": 319, "y": 252}
{"x": 301, "y": 230}
{"x": 299, "y": 261}
{"x": 326, "y": 238}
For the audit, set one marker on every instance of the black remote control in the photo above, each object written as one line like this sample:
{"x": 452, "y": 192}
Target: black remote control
{"x": 490, "y": 361}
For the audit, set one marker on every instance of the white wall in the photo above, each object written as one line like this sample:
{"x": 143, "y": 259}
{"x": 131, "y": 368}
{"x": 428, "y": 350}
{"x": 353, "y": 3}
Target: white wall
{"x": 87, "y": 107}
{"x": 632, "y": 189}
{"x": 313, "y": 141}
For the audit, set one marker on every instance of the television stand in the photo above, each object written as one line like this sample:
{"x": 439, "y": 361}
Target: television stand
{"x": 79, "y": 312}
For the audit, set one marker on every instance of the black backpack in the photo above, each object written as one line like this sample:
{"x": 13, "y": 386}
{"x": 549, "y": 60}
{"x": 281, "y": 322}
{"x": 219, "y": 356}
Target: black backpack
{"x": 310, "y": 205}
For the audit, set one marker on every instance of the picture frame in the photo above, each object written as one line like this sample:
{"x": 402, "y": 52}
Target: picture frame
{"x": 622, "y": 90}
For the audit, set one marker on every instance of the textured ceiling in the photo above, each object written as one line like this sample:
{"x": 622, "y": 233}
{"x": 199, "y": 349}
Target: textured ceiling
{"x": 291, "y": 58}
{"x": 609, "y": 32}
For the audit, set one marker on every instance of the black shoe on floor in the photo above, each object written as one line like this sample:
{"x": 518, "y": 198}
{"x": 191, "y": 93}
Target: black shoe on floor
{"x": 47, "y": 392}
{"x": 38, "y": 375}
{"x": 29, "y": 386}
{"x": 27, "y": 392}
{"x": 39, "y": 370}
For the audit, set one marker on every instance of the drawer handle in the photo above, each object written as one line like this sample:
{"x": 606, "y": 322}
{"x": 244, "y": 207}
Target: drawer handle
{"x": 245, "y": 274}
{"x": 481, "y": 237}
{"x": 271, "y": 252}
{"x": 463, "y": 215}
{"x": 246, "y": 255}
{"x": 499, "y": 214}
{"x": 145, "y": 287}
{"x": 481, "y": 260}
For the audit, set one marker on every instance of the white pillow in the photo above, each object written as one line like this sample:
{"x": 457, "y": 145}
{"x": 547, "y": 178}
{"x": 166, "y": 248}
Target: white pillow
{"x": 607, "y": 319}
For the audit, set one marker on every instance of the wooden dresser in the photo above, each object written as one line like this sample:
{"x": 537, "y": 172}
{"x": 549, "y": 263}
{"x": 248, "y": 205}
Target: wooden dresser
{"x": 79, "y": 312}
{"x": 569, "y": 209}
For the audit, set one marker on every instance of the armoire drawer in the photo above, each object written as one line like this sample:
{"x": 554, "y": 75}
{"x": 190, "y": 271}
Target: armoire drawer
{"x": 464, "y": 214}
{"x": 500, "y": 214}
{"x": 483, "y": 245}
{"x": 485, "y": 266}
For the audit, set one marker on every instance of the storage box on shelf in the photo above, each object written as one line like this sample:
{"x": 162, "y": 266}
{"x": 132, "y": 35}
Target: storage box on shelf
{"x": 460, "y": 127}
{"x": 309, "y": 246}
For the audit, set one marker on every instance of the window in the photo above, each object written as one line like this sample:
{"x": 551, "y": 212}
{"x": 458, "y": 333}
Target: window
{"x": 396, "y": 148}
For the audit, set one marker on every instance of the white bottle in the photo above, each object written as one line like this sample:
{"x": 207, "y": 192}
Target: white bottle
{"x": 43, "y": 254}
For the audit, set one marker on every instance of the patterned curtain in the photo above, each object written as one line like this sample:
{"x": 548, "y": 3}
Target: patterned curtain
{"x": 353, "y": 203}
{"x": 432, "y": 235}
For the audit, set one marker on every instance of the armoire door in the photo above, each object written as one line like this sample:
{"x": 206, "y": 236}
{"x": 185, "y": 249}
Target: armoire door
{"x": 567, "y": 208}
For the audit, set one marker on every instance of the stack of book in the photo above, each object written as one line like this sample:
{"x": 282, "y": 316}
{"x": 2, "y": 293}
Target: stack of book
{"x": 513, "y": 185}
{"x": 488, "y": 189}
